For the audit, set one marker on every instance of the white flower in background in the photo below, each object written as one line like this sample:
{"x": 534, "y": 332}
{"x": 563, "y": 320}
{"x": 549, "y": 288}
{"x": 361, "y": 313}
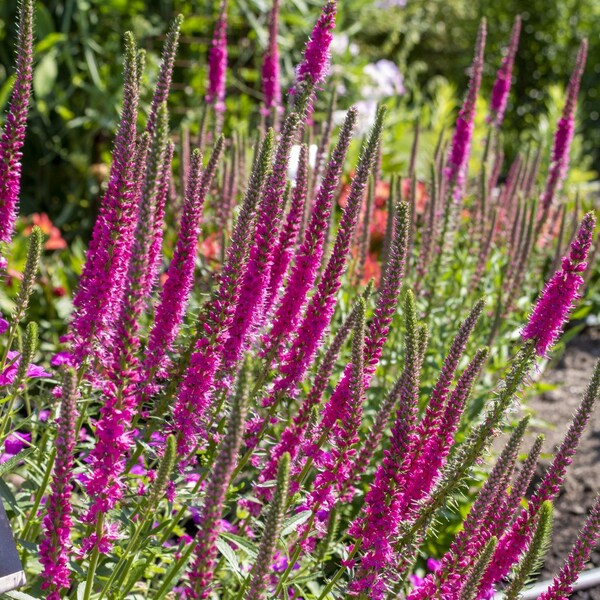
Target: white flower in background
{"x": 295, "y": 159}
{"x": 390, "y": 3}
{"x": 341, "y": 44}
{"x": 387, "y": 80}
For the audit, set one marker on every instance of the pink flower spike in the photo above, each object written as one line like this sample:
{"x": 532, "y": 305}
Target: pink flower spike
{"x": 501, "y": 88}
{"x": 552, "y": 309}
{"x": 217, "y": 61}
{"x": 460, "y": 149}
{"x": 564, "y": 133}
{"x": 271, "y": 85}
{"x": 315, "y": 66}
{"x": 13, "y": 132}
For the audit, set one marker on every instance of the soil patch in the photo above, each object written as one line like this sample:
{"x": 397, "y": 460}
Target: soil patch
{"x": 555, "y": 408}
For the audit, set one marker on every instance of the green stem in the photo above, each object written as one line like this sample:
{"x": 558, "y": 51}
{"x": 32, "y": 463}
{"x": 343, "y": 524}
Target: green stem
{"x": 89, "y": 583}
{"x": 39, "y": 495}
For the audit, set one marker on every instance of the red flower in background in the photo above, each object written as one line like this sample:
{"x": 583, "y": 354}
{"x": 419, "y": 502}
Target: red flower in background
{"x": 55, "y": 240}
{"x": 372, "y": 269}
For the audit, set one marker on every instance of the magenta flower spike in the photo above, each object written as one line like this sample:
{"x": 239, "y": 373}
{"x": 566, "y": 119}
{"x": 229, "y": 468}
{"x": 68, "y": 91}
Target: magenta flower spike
{"x": 501, "y": 89}
{"x": 322, "y": 304}
{"x": 253, "y": 289}
{"x": 289, "y": 231}
{"x": 165, "y": 74}
{"x": 559, "y": 162}
{"x": 195, "y": 392}
{"x": 13, "y": 131}
{"x": 517, "y": 537}
{"x": 293, "y": 434}
{"x": 202, "y": 569}
{"x": 180, "y": 276}
{"x": 337, "y": 406}
{"x": 158, "y": 219}
{"x": 101, "y": 283}
{"x": 555, "y": 303}
{"x": 308, "y": 257}
{"x": 460, "y": 149}
{"x": 217, "y": 61}
{"x": 438, "y": 446}
{"x": 336, "y": 469}
{"x": 271, "y": 84}
{"x": 55, "y": 547}
{"x": 315, "y": 66}
{"x": 562, "y": 585}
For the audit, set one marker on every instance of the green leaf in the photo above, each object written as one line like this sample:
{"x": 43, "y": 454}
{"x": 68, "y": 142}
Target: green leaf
{"x": 49, "y": 42}
{"x": 20, "y": 595}
{"x": 250, "y": 548}
{"x": 11, "y": 463}
{"x": 292, "y": 523}
{"x": 227, "y": 551}
{"x": 44, "y": 76}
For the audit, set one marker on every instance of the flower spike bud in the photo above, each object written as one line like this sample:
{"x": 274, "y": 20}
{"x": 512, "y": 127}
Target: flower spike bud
{"x": 261, "y": 567}
{"x": 534, "y": 555}
{"x": 163, "y": 84}
{"x": 55, "y": 547}
{"x": 271, "y": 84}
{"x": 29, "y": 347}
{"x": 470, "y": 588}
{"x": 205, "y": 550}
{"x": 154, "y": 252}
{"x": 217, "y": 61}
{"x": 552, "y": 309}
{"x": 559, "y": 163}
{"x": 460, "y": 150}
{"x": 159, "y": 485}
{"x": 32, "y": 266}
{"x": 501, "y": 89}
{"x": 562, "y": 585}
{"x": 289, "y": 231}
{"x": 13, "y": 132}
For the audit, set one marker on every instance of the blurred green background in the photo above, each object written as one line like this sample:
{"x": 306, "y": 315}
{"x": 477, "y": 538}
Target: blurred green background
{"x": 77, "y": 82}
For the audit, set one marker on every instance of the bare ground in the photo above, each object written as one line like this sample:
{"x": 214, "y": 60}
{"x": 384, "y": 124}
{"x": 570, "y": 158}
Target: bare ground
{"x": 555, "y": 408}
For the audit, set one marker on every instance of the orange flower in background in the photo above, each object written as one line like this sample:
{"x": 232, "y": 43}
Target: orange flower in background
{"x": 55, "y": 240}
{"x": 421, "y": 195}
{"x": 210, "y": 247}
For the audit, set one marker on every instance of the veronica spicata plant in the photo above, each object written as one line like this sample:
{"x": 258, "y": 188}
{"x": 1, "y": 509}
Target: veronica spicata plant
{"x": 207, "y": 431}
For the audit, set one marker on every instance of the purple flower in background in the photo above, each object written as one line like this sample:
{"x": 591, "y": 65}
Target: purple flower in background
{"x": 8, "y": 375}
{"x": 271, "y": 85}
{"x": 503, "y": 81}
{"x": 3, "y": 324}
{"x": 564, "y": 133}
{"x": 460, "y": 150}
{"x": 62, "y": 358}
{"x": 387, "y": 79}
{"x": 217, "y": 62}
{"x": 16, "y": 441}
